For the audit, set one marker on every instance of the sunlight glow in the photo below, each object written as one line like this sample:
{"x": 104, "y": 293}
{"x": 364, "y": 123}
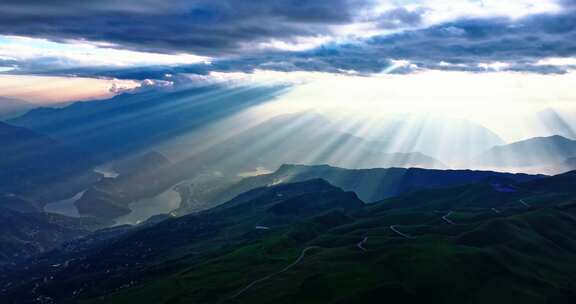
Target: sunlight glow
{"x": 500, "y": 101}
{"x": 429, "y": 118}
{"x": 51, "y": 89}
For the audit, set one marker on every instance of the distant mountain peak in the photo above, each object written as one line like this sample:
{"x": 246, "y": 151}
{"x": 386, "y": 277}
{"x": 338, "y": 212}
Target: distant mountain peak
{"x": 551, "y": 137}
{"x": 373, "y": 184}
{"x": 545, "y": 151}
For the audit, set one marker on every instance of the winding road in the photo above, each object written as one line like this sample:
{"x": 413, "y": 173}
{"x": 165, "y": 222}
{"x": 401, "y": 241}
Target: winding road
{"x": 298, "y": 260}
{"x": 360, "y": 244}
{"x": 393, "y": 228}
{"x": 447, "y": 220}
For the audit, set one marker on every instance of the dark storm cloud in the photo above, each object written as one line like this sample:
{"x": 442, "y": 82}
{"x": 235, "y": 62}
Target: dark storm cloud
{"x": 473, "y": 42}
{"x": 468, "y": 45}
{"x": 464, "y": 45}
{"x": 400, "y": 17}
{"x": 219, "y": 28}
{"x": 205, "y": 27}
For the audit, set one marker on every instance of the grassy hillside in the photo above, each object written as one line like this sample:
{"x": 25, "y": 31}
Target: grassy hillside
{"x": 468, "y": 244}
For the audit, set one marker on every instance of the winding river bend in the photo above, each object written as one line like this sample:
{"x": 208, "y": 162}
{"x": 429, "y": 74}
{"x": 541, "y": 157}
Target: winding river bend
{"x": 163, "y": 203}
{"x": 143, "y": 209}
{"x": 65, "y": 206}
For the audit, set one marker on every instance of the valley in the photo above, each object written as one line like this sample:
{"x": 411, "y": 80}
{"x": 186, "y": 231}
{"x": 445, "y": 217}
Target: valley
{"x": 287, "y": 152}
{"x": 314, "y": 226}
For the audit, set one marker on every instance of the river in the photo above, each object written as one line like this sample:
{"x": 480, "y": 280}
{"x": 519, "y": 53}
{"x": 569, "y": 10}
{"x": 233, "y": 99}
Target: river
{"x": 65, "y": 206}
{"x": 143, "y": 209}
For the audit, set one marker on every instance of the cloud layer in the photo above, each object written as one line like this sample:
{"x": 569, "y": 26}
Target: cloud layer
{"x": 204, "y": 27}
{"x": 339, "y": 36}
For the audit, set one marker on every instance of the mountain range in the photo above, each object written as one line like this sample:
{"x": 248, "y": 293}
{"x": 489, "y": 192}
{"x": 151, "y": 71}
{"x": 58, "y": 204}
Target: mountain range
{"x": 38, "y": 168}
{"x": 113, "y": 197}
{"x": 10, "y": 107}
{"x": 304, "y": 241}
{"x": 453, "y": 141}
{"x": 539, "y": 152}
{"x": 133, "y": 121}
{"x": 102, "y": 128}
{"x": 235, "y": 223}
{"x": 376, "y": 184}
{"x": 310, "y": 139}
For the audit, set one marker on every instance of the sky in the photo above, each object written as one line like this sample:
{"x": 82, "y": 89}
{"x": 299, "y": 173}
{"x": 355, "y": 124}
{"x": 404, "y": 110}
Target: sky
{"x": 478, "y": 59}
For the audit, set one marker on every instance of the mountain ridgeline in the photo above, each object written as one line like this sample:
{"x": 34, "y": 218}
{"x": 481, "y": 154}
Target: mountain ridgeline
{"x": 130, "y": 122}
{"x": 539, "y": 152}
{"x": 10, "y": 107}
{"x": 39, "y": 169}
{"x": 111, "y": 198}
{"x": 373, "y": 185}
{"x": 299, "y": 208}
{"x": 304, "y": 241}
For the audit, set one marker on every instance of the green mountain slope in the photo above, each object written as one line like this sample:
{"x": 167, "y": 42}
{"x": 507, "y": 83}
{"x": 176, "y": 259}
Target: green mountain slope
{"x": 475, "y": 243}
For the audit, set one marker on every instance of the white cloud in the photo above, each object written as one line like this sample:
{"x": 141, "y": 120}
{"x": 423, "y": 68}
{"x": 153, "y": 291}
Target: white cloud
{"x": 494, "y": 66}
{"x": 558, "y": 61}
{"x": 446, "y": 10}
{"x": 84, "y": 53}
{"x": 433, "y": 12}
